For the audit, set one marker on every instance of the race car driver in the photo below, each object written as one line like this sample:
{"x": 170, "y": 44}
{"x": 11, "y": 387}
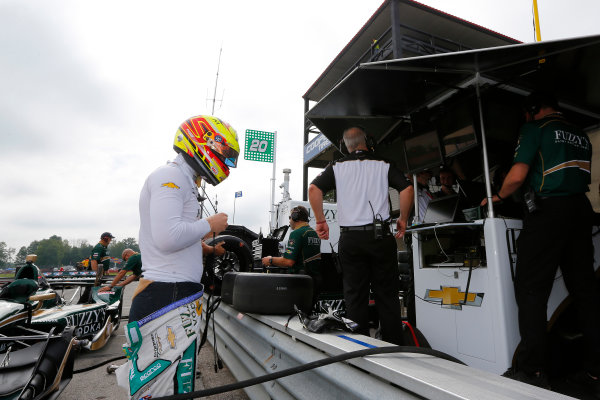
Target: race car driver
{"x": 171, "y": 229}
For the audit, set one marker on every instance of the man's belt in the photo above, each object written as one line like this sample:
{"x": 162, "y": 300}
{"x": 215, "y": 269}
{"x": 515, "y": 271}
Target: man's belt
{"x": 368, "y": 227}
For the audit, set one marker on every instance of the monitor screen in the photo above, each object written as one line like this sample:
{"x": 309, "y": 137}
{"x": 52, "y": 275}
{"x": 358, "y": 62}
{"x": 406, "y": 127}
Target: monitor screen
{"x": 460, "y": 140}
{"x": 423, "y": 151}
{"x": 280, "y": 232}
{"x": 442, "y": 209}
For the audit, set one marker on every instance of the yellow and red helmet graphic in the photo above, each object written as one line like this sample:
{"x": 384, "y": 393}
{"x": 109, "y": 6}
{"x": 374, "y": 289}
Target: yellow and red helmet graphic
{"x": 211, "y": 146}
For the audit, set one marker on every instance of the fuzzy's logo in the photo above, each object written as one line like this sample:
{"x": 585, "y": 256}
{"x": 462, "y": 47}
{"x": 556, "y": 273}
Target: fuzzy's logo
{"x": 170, "y": 185}
{"x": 87, "y": 322}
{"x": 189, "y": 319}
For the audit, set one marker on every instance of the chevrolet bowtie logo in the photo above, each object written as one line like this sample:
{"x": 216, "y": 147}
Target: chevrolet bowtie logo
{"x": 171, "y": 337}
{"x": 452, "y": 297}
{"x": 170, "y": 185}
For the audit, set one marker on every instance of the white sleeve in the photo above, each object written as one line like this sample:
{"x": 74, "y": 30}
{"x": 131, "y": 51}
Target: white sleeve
{"x": 173, "y": 225}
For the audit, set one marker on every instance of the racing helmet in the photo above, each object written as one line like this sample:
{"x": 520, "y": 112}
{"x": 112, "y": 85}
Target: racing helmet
{"x": 209, "y": 145}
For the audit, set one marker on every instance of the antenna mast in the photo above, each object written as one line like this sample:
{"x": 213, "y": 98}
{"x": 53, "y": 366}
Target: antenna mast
{"x": 214, "y": 99}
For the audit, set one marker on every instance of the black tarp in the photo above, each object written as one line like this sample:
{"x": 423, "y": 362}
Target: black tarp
{"x": 379, "y": 95}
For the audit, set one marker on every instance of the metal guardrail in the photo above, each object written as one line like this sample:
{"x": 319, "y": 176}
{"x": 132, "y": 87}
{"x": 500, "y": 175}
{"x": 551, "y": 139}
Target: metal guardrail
{"x": 254, "y": 345}
{"x": 251, "y": 348}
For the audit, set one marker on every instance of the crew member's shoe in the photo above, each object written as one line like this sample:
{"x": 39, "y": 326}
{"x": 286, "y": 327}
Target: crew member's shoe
{"x": 584, "y": 380}
{"x": 538, "y": 379}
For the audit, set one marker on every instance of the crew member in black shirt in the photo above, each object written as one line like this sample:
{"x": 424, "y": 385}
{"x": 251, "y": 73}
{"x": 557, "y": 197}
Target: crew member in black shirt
{"x": 368, "y": 255}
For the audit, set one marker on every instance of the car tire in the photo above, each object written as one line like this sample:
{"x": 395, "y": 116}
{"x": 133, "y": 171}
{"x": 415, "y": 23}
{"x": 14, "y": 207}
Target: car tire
{"x": 238, "y": 258}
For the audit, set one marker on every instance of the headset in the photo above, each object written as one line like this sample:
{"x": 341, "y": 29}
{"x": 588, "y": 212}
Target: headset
{"x": 536, "y": 100}
{"x": 369, "y": 141}
{"x": 299, "y": 213}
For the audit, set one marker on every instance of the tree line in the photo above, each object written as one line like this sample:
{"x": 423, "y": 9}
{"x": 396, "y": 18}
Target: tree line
{"x": 57, "y": 252}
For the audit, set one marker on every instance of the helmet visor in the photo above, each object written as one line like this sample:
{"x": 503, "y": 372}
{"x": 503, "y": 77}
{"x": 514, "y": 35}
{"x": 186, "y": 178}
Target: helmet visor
{"x": 229, "y": 156}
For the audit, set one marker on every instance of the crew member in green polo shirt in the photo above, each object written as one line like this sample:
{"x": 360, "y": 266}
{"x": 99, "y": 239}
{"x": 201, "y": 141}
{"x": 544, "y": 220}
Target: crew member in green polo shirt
{"x": 100, "y": 257}
{"x": 553, "y": 160}
{"x": 134, "y": 264}
{"x": 99, "y": 262}
{"x": 303, "y": 252}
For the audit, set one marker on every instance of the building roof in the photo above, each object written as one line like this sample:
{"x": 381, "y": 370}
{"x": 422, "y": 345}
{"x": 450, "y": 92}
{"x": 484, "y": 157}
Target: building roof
{"x": 419, "y": 23}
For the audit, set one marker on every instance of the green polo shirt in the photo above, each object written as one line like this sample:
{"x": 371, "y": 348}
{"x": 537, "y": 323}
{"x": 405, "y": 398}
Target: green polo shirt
{"x": 304, "y": 247}
{"x": 134, "y": 264}
{"x": 559, "y": 156}
{"x": 100, "y": 254}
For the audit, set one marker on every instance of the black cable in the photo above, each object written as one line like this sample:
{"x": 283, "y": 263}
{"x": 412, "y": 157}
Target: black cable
{"x": 312, "y": 365}
{"x": 218, "y": 361}
{"x": 464, "y": 300}
{"x": 205, "y": 333}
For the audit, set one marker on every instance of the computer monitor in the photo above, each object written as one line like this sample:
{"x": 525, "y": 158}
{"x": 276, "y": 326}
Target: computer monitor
{"x": 280, "y": 232}
{"x": 423, "y": 151}
{"x": 459, "y": 140}
{"x": 441, "y": 210}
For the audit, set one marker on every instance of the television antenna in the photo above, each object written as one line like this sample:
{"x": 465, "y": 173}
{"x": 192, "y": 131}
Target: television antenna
{"x": 214, "y": 98}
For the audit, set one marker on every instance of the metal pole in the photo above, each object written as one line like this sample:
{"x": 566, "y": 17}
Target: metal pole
{"x": 305, "y": 166}
{"x": 216, "y": 82}
{"x": 273, "y": 223}
{"x": 203, "y": 187}
{"x": 486, "y": 167}
{"x": 416, "y": 186}
{"x": 536, "y": 22}
{"x": 234, "y": 200}
{"x": 396, "y": 32}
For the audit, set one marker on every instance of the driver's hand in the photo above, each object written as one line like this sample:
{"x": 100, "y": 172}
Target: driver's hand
{"x": 104, "y": 289}
{"x": 219, "y": 250}
{"x": 218, "y": 222}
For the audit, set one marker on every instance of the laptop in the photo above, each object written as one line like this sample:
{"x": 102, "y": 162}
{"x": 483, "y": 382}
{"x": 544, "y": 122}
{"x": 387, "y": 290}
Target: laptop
{"x": 441, "y": 210}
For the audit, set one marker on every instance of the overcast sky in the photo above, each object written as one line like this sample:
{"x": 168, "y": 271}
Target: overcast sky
{"x": 92, "y": 92}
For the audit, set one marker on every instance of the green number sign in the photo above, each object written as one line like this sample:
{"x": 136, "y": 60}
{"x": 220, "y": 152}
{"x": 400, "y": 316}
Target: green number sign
{"x": 260, "y": 146}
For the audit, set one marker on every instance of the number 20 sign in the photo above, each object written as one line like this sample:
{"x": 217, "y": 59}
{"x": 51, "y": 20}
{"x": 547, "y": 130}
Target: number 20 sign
{"x": 260, "y": 146}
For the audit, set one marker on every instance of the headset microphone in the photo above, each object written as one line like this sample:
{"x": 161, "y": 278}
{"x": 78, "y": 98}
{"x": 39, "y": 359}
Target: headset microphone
{"x": 295, "y": 215}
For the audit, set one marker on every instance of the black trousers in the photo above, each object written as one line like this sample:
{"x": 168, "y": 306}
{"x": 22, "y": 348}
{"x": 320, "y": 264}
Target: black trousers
{"x": 160, "y": 294}
{"x": 369, "y": 263}
{"x": 560, "y": 234}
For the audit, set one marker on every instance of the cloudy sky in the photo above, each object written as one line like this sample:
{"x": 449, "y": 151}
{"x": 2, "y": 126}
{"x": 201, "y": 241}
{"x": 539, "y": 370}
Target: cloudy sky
{"x": 91, "y": 93}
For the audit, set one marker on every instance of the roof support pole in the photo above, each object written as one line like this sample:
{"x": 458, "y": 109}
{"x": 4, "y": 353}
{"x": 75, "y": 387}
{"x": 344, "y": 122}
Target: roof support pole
{"x": 304, "y": 166}
{"x": 418, "y": 217}
{"x": 396, "y": 34}
{"x": 486, "y": 166}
